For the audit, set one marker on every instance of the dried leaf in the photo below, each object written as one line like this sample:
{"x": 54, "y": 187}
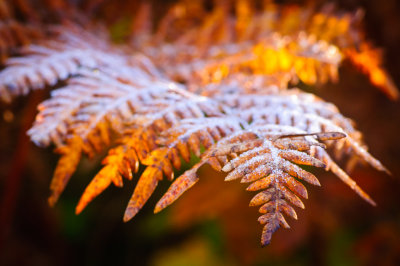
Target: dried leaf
{"x": 209, "y": 83}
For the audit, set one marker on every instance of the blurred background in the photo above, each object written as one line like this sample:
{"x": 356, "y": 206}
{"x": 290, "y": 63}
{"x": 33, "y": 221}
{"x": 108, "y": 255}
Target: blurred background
{"x": 211, "y": 224}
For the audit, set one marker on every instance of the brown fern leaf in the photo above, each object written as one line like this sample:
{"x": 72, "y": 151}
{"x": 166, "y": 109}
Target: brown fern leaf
{"x": 268, "y": 156}
{"x": 232, "y": 144}
{"x": 188, "y": 179}
{"x": 256, "y": 158}
{"x": 317, "y": 151}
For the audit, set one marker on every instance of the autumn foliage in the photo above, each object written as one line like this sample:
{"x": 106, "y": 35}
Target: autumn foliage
{"x": 215, "y": 85}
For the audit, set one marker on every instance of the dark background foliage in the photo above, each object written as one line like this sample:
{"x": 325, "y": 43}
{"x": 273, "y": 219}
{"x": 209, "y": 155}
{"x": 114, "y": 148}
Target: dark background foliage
{"x": 211, "y": 224}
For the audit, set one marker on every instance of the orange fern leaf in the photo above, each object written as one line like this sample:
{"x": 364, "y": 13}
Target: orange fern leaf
{"x": 70, "y": 157}
{"x": 369, "y": 61}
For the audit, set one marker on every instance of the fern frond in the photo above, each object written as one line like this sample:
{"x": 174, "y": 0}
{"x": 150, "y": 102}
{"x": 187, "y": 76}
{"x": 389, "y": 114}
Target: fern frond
{"x": 92, "y": 123}
{"x": 319, "y": 152}
{"x": 161, "y": 138}
{"x": 139, "y": 144}
{"x": 251, "y": 155}
{"x": 256, "y": 158}
{"x": 95, "y": 104}
{"x": 51, "y": 62}
{"x": 303, "y": 111}
{"x": 237, "y": 142}
{"x": 59, "y": 114}
{"x": 211, "y": 85}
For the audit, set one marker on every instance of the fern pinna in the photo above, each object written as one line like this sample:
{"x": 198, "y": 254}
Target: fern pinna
{"x": 216, "y": 84}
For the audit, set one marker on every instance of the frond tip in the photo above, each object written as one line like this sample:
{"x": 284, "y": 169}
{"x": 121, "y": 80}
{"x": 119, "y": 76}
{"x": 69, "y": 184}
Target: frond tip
{"x": 270, "y": 163}
{"x": 70, "y": 157}
{"x": 275, "y": 171}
